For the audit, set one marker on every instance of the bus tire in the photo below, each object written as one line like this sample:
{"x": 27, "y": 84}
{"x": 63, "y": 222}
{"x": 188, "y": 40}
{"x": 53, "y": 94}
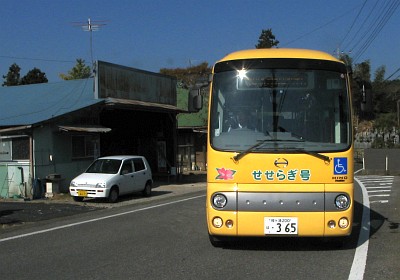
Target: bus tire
{"x": 339, "y": 242}
{"x": 217, "y": 242}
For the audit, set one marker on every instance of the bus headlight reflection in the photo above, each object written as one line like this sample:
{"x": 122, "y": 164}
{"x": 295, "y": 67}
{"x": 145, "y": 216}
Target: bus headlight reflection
{"x": 219, "y": 201}
{"x": 342, "y": 202}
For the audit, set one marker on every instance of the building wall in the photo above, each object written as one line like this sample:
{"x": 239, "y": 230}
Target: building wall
{"x": 118, "y": 81}
{"x": 53, "y": 155}
{"x": 149, "y": 131}
{"x": 141, "y": 133}
{"x": 43, "y": 153}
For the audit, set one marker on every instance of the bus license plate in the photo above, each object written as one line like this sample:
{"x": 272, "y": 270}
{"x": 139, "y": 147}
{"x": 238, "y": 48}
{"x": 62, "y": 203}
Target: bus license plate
{"x": 82, "y": 193}
{"x": 280, "y": 225}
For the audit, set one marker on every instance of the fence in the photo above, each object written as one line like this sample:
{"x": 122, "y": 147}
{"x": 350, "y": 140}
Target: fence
{"x": 381, "y": 161}
{"x": 14, "y": 180}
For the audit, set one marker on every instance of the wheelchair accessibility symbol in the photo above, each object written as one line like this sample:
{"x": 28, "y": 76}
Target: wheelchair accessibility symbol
{"x": 340, "y": 166}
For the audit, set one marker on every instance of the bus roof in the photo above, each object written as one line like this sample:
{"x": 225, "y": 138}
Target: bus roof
{"x": 279, "y": 53}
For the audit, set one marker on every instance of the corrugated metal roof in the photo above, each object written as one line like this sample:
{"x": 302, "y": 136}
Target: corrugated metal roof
{"x": 30, "y": 104}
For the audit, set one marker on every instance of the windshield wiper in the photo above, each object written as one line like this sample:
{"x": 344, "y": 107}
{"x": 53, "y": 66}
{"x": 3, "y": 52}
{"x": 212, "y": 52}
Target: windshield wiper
{"x": 315, "y": 154}
{"x": 296, "y": 150}
{"x": 242, "y": 154}
{"x": 256, "y": 145}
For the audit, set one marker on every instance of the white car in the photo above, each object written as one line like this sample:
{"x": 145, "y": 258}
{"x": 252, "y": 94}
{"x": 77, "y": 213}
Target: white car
{"x": 112, "y": 176}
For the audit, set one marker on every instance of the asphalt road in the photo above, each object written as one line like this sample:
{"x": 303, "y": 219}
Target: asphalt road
{"x": 384, "y": 242}
{"x": 166, "y": 238}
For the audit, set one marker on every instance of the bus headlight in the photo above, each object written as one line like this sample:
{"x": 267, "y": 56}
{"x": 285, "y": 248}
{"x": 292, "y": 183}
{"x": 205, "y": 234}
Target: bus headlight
{"x": 219, "y": 201}
{"x": 342, "y": 202}
{"x": 217, "y": 222}
{"x": 343, "y": 222}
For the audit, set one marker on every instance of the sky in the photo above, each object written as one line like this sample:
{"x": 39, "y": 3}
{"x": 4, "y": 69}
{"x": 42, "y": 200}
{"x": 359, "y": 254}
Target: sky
{"x": 155, "y": 34}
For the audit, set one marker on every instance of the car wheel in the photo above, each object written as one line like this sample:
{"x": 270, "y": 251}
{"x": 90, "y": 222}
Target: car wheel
{"x": 78, "y": 198}
{"x": 147, "y": 190}
{"x": 113, "y": 196}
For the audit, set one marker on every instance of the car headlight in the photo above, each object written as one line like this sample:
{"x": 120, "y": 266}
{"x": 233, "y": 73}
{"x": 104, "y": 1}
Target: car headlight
{"x": 342, "y": 201}
{"x": 219, "y": 200}
{"x": 100, "y": 185}
{"x": 73, "y": 184}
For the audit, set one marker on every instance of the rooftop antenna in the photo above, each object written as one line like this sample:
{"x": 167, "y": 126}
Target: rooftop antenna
{"x": 91, "y": 26}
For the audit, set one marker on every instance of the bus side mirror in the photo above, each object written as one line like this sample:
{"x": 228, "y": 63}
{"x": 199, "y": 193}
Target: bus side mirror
{"x": 195, "y": 101}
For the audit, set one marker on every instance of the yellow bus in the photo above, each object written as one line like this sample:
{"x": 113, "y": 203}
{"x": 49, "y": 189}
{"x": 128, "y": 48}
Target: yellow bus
{"x": 280, "y": 146}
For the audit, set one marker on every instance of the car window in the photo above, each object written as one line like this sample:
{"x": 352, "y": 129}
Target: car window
{"x": 139, "y": 164}
{"x": 126, "y": 167}
{"x": 108, "y": 166}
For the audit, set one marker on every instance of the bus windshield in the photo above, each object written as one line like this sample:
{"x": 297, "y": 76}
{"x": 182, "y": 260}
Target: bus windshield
{"x": 272, "y": 105}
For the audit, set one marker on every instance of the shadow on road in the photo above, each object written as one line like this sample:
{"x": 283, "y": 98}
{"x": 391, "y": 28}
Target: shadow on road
{"x": 314, "y": 243}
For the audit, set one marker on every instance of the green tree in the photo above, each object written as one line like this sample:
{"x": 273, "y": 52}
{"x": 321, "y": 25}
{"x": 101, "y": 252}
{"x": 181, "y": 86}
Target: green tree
{"x": 79, "y": 71}
{"x": 187, "y": 77}
{"x": 384, "y": 124}
{"x": 363, "y": 71}
{"x": 13, "y": 76}
{"x": 34, "y": 76}
{"x": 380, "y": 74}
{"x": 361, "y": 89}
{"x": 346, "y": 59}
{"x": 266, "y": 40}
{"x": 383, "y": 100}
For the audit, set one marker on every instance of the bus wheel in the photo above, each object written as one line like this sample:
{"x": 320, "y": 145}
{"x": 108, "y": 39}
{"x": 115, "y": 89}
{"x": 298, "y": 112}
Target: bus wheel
{"x": 217, "y": 241}
{"x": 340, "y": 242}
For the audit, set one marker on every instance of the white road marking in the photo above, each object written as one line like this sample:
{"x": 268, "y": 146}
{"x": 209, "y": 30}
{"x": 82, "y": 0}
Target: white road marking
{"x": 98, "y": 219}
{"x": 378, "y": 195}
{"x": 378, "y": 191}
{"x": 380, "y": 201}
{"x": 360, "y": 257}
{"x": 376, "y": 187}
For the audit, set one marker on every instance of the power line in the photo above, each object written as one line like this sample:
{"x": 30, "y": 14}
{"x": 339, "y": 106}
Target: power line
{"x": 360, "y": 28}
{"x": 36, "y": 59}
{"x": 352, "y": 25}
{"x": 320, "y": 27}
{"x": 393, "y": 74}
{"x": 379, "y": 24}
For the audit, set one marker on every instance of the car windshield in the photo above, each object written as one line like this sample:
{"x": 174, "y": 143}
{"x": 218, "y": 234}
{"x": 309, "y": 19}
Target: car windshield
{"x": 107, "y": 166}
{"x": 273, "y": 109}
